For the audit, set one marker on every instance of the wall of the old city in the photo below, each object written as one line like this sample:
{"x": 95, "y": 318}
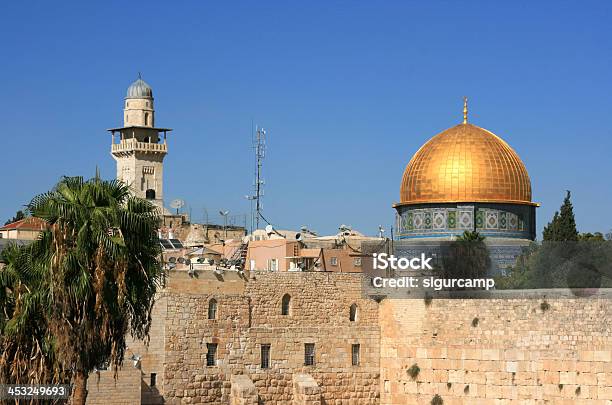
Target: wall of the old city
{"x": 483, "y": 351}
{"x": 487, "y": 351}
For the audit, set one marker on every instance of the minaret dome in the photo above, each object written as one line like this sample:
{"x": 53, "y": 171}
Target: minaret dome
{"x": 138, "y": 109}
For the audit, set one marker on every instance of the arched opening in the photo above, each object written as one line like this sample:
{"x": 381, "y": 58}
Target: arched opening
{"x": 150, "y": 194}
{"x": 146, "y": 118}
{"x": 212, "y": 309}
{"x": 353, "y": 313}
{"x": 286, "y": 305}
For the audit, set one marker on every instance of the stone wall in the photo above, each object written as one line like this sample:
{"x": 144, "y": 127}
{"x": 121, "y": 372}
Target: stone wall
{"x": 482, "y": 351}
{"x": 104, "y": 389}
{"x": 319, "y": 314}
{"x": 494, "y": 351}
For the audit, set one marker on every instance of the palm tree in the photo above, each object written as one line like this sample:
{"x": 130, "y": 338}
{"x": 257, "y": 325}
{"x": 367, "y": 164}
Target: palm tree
{"x": 96, "y": 271}
{"x": 25, "y": 342}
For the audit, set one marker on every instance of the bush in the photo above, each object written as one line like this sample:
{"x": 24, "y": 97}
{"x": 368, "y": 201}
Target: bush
{"x": 437, "y": 400}
{"x": 413, "y": 371}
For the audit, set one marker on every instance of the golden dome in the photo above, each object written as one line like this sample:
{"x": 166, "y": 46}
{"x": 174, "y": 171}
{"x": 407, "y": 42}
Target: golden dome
{"x": 465, "y": 163}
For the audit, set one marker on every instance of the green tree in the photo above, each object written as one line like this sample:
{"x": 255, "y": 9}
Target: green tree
{"x": 562, "y": 228}
{"x": 92, "y": 278}
{"x": 18, "y": 217}
{"x": 466, "y": 257}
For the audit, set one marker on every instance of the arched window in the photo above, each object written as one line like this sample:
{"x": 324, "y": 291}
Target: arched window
{"x": 146, "y": 118}
{"x": 286, "y": 305}
{"x": 212, "y": 309}
{"x": 150, "y": 194}
{"x": 353, "y": 313}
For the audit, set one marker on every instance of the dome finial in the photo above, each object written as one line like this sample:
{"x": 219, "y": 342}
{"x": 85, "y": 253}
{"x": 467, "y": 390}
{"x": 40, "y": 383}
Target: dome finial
{"x": 139, "y": 75}
{"x": 465, "y": 110}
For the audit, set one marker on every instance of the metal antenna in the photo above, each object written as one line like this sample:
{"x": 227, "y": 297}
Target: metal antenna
{"x": 259, "y": 145}
{"x": 260, "y": 154}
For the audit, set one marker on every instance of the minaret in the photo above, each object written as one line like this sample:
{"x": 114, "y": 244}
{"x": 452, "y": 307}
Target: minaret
{"x": 138, "y": 146}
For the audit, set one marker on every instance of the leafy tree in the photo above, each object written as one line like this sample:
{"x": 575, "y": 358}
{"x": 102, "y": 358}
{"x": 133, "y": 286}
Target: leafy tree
{"x": 562, "y": 228}
{"x": 89, "y": 280}
{"x": 466, "y": 257}
{"x": 18, "y": 217}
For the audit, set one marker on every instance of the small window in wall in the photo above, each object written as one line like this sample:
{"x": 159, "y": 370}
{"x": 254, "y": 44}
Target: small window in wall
{"x": 333, "y": 261}
{"x": 286, "y": 305}
{"x": 357, "y": 262}
{"x": 146, "y": 118}
{"x": 153, "y": 379}
{"x": 265, "y": 356}
{"x": 309, "y": 354}
{"x": 211, "y": 354}
{"x": 212, "y": 309}
{"x": 353, "y": 313}
{"x": 355, "y": 354}
{"x": 150, "y": 195}
{"x": 272, "y": 264}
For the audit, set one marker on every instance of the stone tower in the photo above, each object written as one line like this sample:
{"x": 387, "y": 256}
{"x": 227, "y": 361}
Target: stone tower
{"x": 138, "y": 146}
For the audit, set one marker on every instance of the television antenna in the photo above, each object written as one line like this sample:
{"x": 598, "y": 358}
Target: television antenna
{"x": 177, "y": 205}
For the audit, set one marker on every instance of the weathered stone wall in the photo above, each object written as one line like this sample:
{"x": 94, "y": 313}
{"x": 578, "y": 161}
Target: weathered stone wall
{"x": 494, "y": 351}
{"x": 104, "y": 389}
{"x": 486, "y": 351}
{"x": 319, "y": 314}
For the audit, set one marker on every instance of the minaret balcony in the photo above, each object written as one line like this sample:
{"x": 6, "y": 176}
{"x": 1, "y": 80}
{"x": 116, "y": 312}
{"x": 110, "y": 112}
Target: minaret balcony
{"x": 132, "y": 145}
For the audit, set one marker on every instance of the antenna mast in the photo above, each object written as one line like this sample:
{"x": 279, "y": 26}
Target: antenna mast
{"x": 259, "y": 145}
{"x": 260, "y": 153}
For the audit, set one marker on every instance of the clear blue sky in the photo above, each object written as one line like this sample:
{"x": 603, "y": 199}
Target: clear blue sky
{"x": 347, "y": 90}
